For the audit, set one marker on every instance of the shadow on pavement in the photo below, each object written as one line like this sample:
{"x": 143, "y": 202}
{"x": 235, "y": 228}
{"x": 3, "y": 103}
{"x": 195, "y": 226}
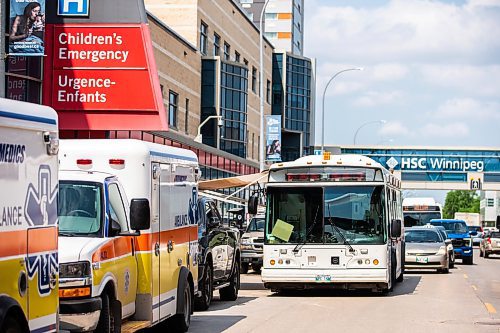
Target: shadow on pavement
{"x": 407, "y": 287}
{"x": 213, "y": 324}
{"x": 252, "y": 286}
{"x": 217, "y": 304}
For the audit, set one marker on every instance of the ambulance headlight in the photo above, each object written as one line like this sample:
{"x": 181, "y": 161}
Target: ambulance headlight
{"x": 74, "y": 270}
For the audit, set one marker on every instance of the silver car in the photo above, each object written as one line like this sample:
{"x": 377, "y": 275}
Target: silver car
{"x": 425, "y": 249}
{"x": 490, "y": 244}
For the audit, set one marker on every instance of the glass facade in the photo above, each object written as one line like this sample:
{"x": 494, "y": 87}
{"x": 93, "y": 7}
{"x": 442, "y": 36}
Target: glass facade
{"x": 23, "y": 78}
{"x": 233, "y": 107}
{"x": 293, "y": 100}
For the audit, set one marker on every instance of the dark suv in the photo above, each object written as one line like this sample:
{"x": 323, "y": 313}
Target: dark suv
{"x": 219, "y": 256}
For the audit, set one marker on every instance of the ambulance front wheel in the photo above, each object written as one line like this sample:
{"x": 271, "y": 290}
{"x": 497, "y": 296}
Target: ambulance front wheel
{"x": 110, "y": 318}
{"x": 11, "y": 325}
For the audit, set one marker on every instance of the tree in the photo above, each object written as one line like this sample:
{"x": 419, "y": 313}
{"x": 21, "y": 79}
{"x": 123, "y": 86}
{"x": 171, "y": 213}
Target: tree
{"x": 460, "y": 201}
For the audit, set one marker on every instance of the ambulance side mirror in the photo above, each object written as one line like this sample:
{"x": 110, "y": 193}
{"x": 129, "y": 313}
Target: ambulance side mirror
{"x": 140, "y": 214}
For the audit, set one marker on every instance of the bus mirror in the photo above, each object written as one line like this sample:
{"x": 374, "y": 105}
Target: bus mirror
{"x": 253, "y": 202}
{"x": 139, "y": 214}
{"x": 396, "y": 228}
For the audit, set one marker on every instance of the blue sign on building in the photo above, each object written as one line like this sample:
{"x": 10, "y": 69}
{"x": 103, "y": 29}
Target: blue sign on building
{"x": 435, "y": 165}
{"x": 73, "y": 7}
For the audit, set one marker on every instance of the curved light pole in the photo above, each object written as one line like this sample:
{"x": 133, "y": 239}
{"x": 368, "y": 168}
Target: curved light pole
{"x": 323, "y": 105}
{"x": 367, "y": 123}
{"x": 261, "y": 88}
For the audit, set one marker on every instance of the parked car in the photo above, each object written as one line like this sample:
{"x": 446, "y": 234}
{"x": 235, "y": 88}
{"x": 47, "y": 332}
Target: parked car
{"x": 425, "y": 249}
{"x": 252, "y": 241}
{"x": 477, "y": 238}
{"x": 460, "y": 238}
{"x": 490, "y": 244}
{"x": 449, "y": 245}
{"x": 219, "y": 256}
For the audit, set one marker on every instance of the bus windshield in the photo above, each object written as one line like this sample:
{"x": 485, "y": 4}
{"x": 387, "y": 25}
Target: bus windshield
{"x": 421, "y": 218}
{"x": 79, "y": 209}
{"x": 326, "y": 215}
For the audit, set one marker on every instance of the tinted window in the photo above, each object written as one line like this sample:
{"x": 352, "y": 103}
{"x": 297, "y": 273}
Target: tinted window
{"x": 495, "y": 235}
{"x": 422, "y": 236}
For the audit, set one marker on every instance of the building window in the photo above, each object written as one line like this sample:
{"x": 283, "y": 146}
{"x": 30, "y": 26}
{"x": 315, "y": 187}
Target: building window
{"x": 490, "y": 202}
{"x": 173, "y": 98}
{"x": 227, "y": 51}
{"x": 254, "y": 79}
{"x": 245, "y": 62}
{"x": 186, "y": 117}
{"x": 23, "y": 78}
{"x": 236, "y": 56}
{"x": 253, "y": 144}
{"x": 203, "y": 38}
{"x": 268, "y": 91}
{"x": 233, "y": 108}
{"x": 216, "y": 44}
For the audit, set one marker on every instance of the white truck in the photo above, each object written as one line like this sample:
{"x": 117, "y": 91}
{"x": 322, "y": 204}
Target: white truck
{"x": 28, "y": 217}
{"x": 109, "y": 271}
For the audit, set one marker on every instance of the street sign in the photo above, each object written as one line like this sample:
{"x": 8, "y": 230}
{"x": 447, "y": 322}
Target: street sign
{"x": 475, "y": 184}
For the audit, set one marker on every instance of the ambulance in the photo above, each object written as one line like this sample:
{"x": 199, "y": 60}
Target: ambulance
{"x": 28, "y": 220}
{"x": 128, "y": 235}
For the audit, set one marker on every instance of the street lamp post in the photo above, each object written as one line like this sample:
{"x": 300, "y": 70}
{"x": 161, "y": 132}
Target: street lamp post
{"x": 199, "y": 136}
{"x": 261, "y": 88}
{"x": 367, "y": 123}
{"x": 323, "y": 105}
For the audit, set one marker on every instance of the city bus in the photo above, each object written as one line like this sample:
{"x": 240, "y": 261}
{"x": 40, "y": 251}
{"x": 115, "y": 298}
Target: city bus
{"x": 420, "y": 211}
{"x": 334, "y": 222}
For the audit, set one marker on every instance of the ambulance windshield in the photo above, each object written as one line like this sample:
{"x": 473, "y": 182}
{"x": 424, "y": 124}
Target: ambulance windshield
{"x": 79, "y": 209}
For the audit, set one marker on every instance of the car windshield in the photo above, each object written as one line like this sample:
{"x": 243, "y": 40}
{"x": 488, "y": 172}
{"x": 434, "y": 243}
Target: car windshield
{"x": 422, "y": 236}
{"x": 332, "y": 214}
{"x": 420, "y": 218}
{"x": 453, "y": 227}
{"x": 79, "y": 208}
{"x": 256, "y": 224}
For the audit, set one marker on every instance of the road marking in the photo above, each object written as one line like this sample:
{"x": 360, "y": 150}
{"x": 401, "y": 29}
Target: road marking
{"x": 474, "y": 287}
{"x": 490, "y": 308}
{"x": 466, "y": 276}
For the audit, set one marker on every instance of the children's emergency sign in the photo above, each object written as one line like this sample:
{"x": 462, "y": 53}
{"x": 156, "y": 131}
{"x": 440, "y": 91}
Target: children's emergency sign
{"x": 102, "y": 73}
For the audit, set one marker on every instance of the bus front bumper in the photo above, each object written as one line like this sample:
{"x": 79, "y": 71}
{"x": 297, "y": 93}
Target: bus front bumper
{"x": 302, "y": 279}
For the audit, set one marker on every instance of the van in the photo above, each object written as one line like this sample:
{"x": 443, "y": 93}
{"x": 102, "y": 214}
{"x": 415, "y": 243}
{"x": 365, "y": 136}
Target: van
{"x": 128, "y": 235}
{"x": 28, "y": 221}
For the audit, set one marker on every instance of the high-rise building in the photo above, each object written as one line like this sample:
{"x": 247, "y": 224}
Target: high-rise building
{"x": 283, "y": 22}
{"x": 490, "y": 208}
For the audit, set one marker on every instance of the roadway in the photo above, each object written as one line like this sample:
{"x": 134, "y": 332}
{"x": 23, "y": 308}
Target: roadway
{"x": 465, "y": 300}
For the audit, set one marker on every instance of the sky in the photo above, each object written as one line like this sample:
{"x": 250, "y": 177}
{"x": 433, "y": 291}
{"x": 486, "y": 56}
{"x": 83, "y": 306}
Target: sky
{"x": 431, "y": 70}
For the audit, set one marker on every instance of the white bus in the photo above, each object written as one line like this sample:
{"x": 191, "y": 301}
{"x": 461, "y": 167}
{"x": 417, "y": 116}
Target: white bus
{"x": 333, "y": 222}
{"x": 420, "y": 211}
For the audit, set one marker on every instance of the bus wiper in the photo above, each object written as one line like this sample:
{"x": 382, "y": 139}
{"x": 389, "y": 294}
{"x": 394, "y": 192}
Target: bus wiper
{"x": 351, "y": 249}
{"x": 299, "y": 246}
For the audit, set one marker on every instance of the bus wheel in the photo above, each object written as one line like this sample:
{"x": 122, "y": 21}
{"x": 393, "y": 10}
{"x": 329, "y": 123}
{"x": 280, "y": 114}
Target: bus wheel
{"x": 11, "y": 325}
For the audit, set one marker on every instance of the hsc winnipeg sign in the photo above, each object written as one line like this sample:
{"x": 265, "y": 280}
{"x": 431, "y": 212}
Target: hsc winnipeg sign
{"x": 435, "y": 164}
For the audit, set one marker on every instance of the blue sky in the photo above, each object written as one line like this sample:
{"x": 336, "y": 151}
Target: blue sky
{"x": 431, "y": 70}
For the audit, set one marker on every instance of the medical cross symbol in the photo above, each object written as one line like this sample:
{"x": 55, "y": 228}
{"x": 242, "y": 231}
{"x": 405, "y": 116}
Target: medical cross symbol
{"x": 40, "y": 208}
{"x": 46, "y": 265}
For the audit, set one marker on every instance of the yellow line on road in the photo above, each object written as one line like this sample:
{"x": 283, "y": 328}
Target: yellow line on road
{"x": 474, "y": 287}
{"x": 490, "y": 308}
{"x": 466, "y": 276}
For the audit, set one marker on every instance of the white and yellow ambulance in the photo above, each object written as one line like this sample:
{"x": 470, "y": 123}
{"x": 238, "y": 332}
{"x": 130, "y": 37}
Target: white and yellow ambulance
{"x": 108, "y": 272}
{"x": 28, "y": 217}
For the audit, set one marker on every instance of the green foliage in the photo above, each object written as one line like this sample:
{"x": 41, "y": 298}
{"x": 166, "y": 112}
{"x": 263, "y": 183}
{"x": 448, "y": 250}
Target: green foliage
{"x": 460, "y": 201}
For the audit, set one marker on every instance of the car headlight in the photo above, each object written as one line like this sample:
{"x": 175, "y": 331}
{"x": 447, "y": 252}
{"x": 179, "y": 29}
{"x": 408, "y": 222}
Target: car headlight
{"x": 450, "y": 247}
{"x": 74, "y": 270}
{"x": 246, "y": 241}
{"x": 442, "y": 250}
{"x": 468, "y": 241}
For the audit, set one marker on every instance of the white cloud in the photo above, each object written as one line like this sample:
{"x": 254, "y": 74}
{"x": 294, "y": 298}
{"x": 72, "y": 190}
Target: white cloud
{"x": 375, "y": 98}
{"x": 454, "y": 130}
{"x": 468, "y": 108}
{"x": 393, "y": 129}
{"x": 389, "y": 72}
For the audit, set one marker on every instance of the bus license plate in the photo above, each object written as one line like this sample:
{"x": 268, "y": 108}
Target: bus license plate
{"x": 323, "y": 278}
{"x": 423, "y": 259}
